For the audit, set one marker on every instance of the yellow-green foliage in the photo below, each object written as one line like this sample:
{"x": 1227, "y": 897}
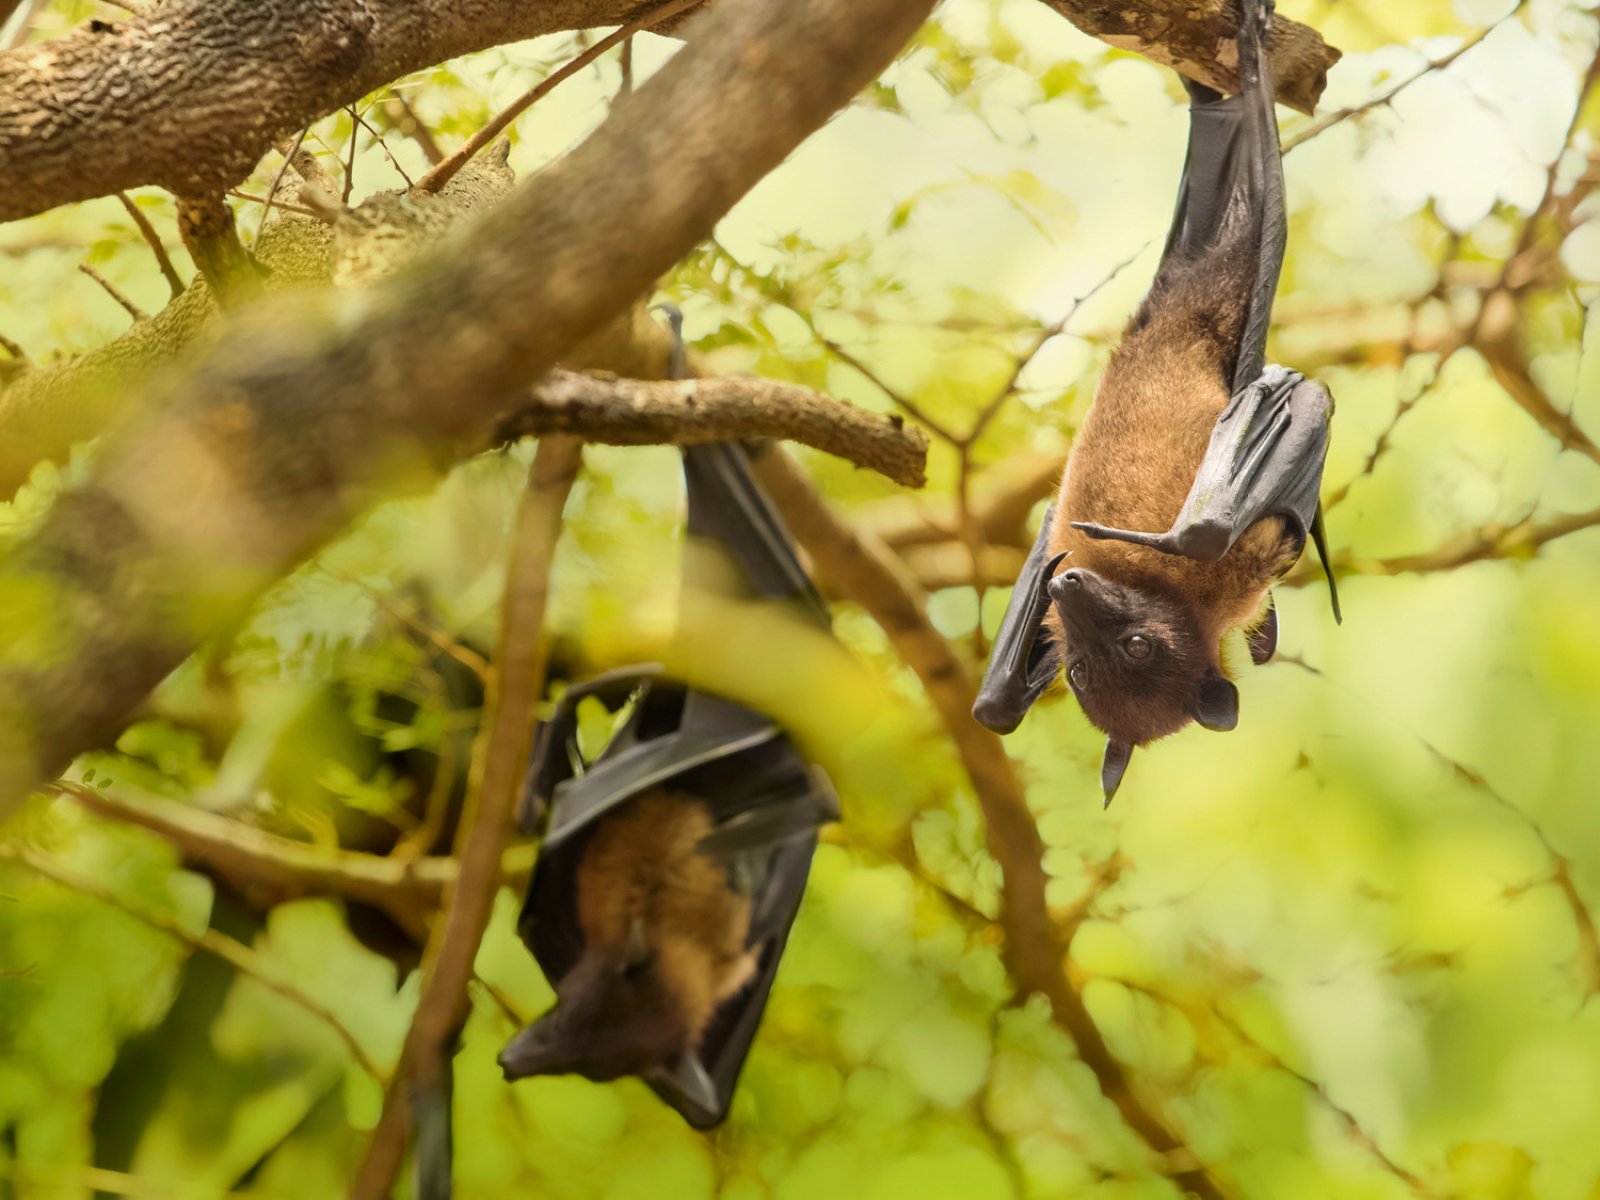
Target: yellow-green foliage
{"x": 1349, "y": 949}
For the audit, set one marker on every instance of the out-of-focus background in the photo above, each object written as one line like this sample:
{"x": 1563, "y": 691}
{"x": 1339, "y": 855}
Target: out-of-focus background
{"x": 1348, "y": 950}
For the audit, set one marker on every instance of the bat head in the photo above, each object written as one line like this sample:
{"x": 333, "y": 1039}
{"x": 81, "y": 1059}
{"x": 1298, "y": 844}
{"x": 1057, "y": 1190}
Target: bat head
{"x": 613, "y": 1017}
{"x": 1137, "y": 661}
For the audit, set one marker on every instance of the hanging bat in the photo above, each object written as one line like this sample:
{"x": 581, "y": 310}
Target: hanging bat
{"x": 665, "y": 931}
{"x": 1192, "y": 433}
{"x": 673, "y": 864}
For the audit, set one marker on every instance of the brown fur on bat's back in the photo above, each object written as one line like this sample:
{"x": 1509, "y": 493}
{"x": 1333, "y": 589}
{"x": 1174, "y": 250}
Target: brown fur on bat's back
{"x": 1135, "y": 458}
{"x": 642, "y": 865}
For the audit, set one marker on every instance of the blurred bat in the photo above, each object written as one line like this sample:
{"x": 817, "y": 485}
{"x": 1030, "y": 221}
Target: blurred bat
{"x": 673, "y": 864}
{"x": 665, "y": 927}
{"x": 1190, "y": 432}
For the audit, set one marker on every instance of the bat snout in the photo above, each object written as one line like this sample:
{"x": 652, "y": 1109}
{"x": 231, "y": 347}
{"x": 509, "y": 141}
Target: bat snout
{"x": 1083, "y": 597}
{"x": 534, "y": 1051}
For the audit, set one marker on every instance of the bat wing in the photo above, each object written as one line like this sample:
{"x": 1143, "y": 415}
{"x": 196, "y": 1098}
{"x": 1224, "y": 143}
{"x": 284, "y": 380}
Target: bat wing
{"x": 1264, "y": 460}
{"x": 755, "y": 831}
{"x": 727, "y": 506}
{"x": 1232, "y": 187}
{"x": 550, "y": 761}
{"x": 1025, "y": 659}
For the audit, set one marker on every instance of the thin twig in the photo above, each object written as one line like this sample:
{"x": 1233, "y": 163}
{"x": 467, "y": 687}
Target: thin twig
{"x": 30, "y": 14}
{"x": 281, "y": 205}
{"x": 440, "y": 175}
{"x": 79, "y": 1180}
{"x": 350, "y": 162}
{"x": 1318, "y": 128}
{"x": 1560, "y": 877}
{"x": 231, "y": 951}
{"x": 277, "y": 178}
{"x": 1045, "y": 336}
{"x": 411, "y": 126}
{"x": 440, "y": 639}
{"x": 1380, "y": 446}
{"x": 498, "y": 759}
{"x": 899, "y": 399}
{"x": 382, "y": 145}
{"x": 1591, "y": 78}
{"x": 1521, "y": 540}
{"x": 174, "y": 283}
{"x": 625, "y": 62}
{"x": 968, "y": 525}
{"x": 134, "y": 311}
{"x": 247, "y": 852}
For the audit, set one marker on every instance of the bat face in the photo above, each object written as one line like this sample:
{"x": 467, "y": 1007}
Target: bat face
{"x": 611, "y": 1019}
{"x": 1137, "y": 660}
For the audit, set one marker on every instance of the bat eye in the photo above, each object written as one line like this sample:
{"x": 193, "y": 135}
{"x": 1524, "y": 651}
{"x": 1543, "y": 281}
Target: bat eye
{"x": 1079, "y": 674}
{"x": 1137, "y": 647}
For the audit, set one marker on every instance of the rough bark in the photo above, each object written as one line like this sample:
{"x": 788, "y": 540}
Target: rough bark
{"x": 304, "y": 414}
{"x": 1196, "y": 38}
{"x": 189, "y": 94}
{"x": 629, "y": 412}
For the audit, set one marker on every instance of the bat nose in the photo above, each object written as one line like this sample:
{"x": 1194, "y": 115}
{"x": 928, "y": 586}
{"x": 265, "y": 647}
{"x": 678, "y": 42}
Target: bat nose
{"x": 1072, "y": 579}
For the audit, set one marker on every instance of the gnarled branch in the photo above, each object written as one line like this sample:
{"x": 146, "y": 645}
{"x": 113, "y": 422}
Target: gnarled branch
{"x": 1196, "y": 38}
{"x": 629, "y": 412}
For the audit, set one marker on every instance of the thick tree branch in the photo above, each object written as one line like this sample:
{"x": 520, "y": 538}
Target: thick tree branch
{"x": 628, "y": 412}
{"x": 189, "y": 94}
{"x": 1195, "y": 37}
{"x": 515, "y": 686}
{"x": 861, "y": 569}
{"x": 303, "y": 415}
{"x": 205, "y": 223}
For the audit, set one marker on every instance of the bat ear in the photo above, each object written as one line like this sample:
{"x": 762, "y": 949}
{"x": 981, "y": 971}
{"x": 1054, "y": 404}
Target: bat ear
{"x": 1264, "y": 640}
{"x": 1113, "y": 766}
{"x": 1217, "y": 705}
